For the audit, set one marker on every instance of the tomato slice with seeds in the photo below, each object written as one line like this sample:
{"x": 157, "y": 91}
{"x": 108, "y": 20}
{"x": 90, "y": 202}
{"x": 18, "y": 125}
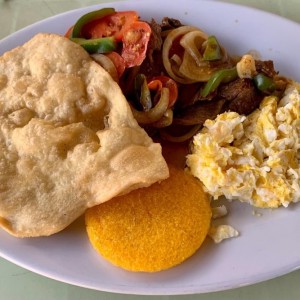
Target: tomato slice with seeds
{"x": 135, "y": 42}
{"x": 126, "y": 28}
{"x": 115, "y": 25}
{"x": 158, "y": 82}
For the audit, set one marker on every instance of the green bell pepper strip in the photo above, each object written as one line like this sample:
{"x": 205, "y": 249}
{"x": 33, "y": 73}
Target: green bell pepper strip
{"x": 101, "y": 45}
{"x": 142, "y": 91}
{"x": 91, "y": 16}
{"x": 221, "y": 76}
{"x": 212, "y": 49}
{"x": 264, "y": 83}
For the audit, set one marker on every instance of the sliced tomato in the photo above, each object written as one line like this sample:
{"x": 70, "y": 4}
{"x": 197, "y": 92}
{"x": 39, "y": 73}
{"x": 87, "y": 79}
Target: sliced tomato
{"x": 69, "y": 31}
{"x": 158, "y": 82}
{"x": 135, "y": 42}
{"x": 112, "y": 25}
{"x": 118, "y": 61}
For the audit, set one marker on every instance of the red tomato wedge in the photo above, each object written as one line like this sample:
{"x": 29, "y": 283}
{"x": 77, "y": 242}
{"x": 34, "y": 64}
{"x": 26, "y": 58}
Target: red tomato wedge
{"x": 118, "y": 61}
{"x": 158, "y": 82}
{"x": 68, "y": 33}
{"x": 115, "y": 25}
{"x": 135, "y": 42}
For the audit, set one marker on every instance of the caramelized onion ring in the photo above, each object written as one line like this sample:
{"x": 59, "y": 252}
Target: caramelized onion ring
{"x": 193, "y": 71}
{"x": 155, "y": 113}
{"x": 166, "y": 49}
{"x": 192, "y": 42}
{"x": 166, "y": 120}
{"x": 106, "y": 64}
{"x": 191, "y": 67}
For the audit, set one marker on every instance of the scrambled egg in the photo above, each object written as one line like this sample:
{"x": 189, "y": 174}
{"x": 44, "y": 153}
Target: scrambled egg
{"x": 254, "y": 159}
{"x": 222, "y": 232}
{"x": 218, "y": 233}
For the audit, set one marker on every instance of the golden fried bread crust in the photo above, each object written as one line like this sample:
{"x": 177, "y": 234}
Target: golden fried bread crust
{"x": 68, "y": 139}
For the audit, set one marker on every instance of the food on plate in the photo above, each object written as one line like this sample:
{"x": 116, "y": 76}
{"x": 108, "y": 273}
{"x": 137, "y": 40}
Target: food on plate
{"x": 222, "y": 232}
{"x": 174, "y": 76}
{"x": 252, "y": 158}
{"x": 68, "y": 138}
{"x": 219, "y": 211}
{"x": 153, "y": 228}
{"x": 100, "y": 31}
{"x": 219, "y": 232}
{"x": 77, "y": 113}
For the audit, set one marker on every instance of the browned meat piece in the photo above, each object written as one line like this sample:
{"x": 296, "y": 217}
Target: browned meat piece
{"x": 188, "y": 94}
{"x": 153, "y": 64}
{"x": 155, "y": 42}
{"x": 169, "y": 23}
{"x": 241, "y": 96}
{"x": 266, "y": 67}
{"x": 152, "y": 67}
{"x": 199, "y": 112}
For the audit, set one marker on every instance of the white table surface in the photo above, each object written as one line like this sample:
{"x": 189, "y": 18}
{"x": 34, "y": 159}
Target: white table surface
{"x": 18, "y": 283}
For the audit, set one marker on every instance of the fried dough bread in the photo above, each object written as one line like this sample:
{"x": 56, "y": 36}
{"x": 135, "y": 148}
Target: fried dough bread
{"x": 68, "y": 138}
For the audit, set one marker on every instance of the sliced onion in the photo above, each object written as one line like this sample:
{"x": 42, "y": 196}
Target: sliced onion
{"x": 166, "y": 120}
{"x": 173, "y": 34}
{"x": 155, "y": 113}
{"x": 106, "y": 64}
{"x": 190, "y": 69}
{"x": 176, "y": 59}
{"x": 176, "y": 62}
{"x": 192, "y": 42}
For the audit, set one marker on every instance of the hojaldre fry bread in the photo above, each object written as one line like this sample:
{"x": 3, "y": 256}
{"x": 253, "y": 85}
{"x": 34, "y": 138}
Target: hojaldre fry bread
{"x": 68, "y": 138}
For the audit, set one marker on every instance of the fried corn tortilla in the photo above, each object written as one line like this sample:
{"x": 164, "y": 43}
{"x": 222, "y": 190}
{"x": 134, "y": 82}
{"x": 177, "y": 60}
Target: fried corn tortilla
{"x": 68, "y": 138}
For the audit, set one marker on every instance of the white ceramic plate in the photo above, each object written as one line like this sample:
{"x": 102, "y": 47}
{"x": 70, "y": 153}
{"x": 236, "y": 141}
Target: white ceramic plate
{"x": 268, "y": 246}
